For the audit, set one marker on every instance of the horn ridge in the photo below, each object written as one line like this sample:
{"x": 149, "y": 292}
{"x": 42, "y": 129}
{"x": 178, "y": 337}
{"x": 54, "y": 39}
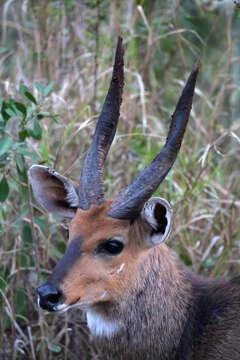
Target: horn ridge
{"x": 131, "y": 200}
{"x": 91, "y": 180}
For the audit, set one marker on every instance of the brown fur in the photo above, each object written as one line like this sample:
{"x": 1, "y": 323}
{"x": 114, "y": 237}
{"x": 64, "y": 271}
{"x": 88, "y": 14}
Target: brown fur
{"x": 163, "y": 311}
{"x": 93, "y": 275}
{"x": 171, "y": 314}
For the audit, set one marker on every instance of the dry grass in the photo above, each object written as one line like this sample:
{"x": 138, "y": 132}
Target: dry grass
{"x": 71, "y": 43}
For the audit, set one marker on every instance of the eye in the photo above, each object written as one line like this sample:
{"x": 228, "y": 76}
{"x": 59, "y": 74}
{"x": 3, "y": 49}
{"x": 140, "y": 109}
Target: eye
{"x": 110, "y": 247}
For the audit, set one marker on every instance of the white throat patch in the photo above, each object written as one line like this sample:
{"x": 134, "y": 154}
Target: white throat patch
{"x": 99, "y": 326}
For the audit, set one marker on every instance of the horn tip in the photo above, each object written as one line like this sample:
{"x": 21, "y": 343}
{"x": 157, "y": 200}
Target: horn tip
{"x": 191, "y": 82}
{"x": 196, "y": 68}
{"x": 118, "y": 68}
{"x": 197, "y": 65}
{"x": 120, "y": 48}
{"x": 120, "y": 39}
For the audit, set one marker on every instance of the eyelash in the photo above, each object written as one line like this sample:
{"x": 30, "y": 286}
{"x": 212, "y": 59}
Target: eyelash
{"x": 110, "y": 247}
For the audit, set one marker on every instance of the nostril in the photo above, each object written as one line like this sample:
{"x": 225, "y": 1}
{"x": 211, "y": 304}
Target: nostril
{"x": 49, "y": 296}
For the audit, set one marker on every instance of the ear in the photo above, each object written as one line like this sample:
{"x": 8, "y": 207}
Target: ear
{"x": 53, "y": 191}
{"x": 157, "y": 212}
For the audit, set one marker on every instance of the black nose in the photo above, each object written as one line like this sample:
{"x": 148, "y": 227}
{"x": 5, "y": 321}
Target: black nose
{"x": 49, "y": 297}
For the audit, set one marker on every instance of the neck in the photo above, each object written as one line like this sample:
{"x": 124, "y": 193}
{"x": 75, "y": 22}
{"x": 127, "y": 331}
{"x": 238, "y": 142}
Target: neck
{"x": 151, "y": 318}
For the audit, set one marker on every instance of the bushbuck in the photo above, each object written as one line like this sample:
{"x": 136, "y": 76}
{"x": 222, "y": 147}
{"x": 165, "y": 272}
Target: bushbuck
{"x": 140, "y": 302}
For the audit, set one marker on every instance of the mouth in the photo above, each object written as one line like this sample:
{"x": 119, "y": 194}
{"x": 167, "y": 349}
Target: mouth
{"x": 57, "y": 307}
{"x": 82, "y": 305}
{"x": 62, "y": 308}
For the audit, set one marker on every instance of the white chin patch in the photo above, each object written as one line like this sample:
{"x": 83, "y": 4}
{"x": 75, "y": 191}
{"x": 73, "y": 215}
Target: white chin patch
{"x": 100, "y": 326}
{"x": 61, "y": 307}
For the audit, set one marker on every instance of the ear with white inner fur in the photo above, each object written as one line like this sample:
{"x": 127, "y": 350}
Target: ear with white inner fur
{"x": 53, "y": 191}
{"x": 157, "y": 212}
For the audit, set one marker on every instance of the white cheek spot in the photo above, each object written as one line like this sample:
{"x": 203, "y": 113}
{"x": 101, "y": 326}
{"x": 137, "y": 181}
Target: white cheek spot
{"x": 120, "y": 268}
{"x": 103, "y": 295}
{"x": 100, "y": 326}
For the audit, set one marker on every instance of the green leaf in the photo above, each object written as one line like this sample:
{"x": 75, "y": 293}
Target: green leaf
{"x": 10, "y": 112}
{"x": 4, "y": 114}
{"x": 4, "y": 214}
{"x": 54, "y": 348}
{"x": 25, "y": 92}
{"x": 23, "y": 135}
{"x": 41, "y": 223}
{"x": 32, "y": 155}
{"x": 21, "y": 107}
{"x": 4, "y": 189}
{"x": 27, "y": 234}
{"x": 23, "y": 261}
{"x": 37, "y": 131}
{"x": 69, "y": 3}
{"x": 61, "y": 246}
{"x": 20, "y": 300}
{"x": 39, "y": 87}
{"x": 45, "y": 152}
{"x": 22, "y": 175}
{"x": 236, "y": 13}
{"x": 210, "y": 263}
{"x": 186, "y": 259}
{"x": 31, "y": 97}
{"x": 29, "y": 111}
{"x": 48, "y": 89}
{"x": 40, "y": 116}
{"x": 22, "y": 90}
{"x": 23, "y": 192}
{"x": 20, "y": 163}
{"x": 5, "y": 144}
{"x": 55, "y": 252}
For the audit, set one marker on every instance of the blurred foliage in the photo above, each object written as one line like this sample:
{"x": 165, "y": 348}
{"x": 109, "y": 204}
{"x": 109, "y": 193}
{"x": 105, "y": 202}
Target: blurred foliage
{"x": 55, "y": 66}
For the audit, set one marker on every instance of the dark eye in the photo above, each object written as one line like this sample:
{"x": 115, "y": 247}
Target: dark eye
{"x": 110, "y": 247}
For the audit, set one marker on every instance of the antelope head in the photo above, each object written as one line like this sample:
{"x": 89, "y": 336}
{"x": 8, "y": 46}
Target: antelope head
{"x": 108, "y": 239}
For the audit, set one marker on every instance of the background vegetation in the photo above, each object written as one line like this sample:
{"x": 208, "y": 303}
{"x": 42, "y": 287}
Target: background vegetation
{"x": 55, "y": 64}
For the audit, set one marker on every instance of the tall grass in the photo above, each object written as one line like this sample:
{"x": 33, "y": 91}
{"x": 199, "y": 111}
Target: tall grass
{"x": 62, "y": 53}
